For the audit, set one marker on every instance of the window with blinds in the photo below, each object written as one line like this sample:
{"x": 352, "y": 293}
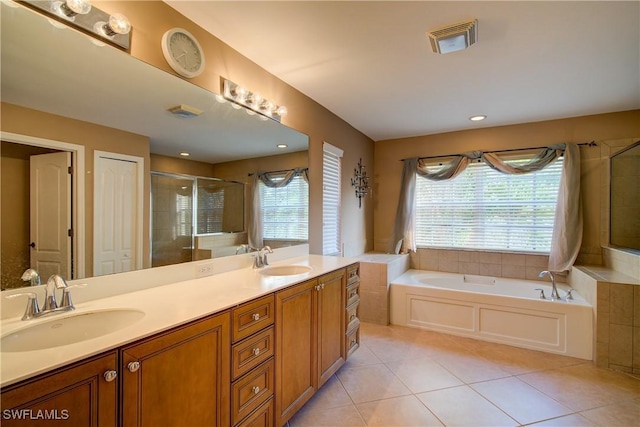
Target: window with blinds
{"x": 485, "y": 209}
{"x": 285, "y": 211}
{"x": 210, "y": 210}
{"x": 331, "y": 238}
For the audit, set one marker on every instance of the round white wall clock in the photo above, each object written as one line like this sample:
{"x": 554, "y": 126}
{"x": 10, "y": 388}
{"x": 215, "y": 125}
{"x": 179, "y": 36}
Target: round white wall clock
{"x": 183, "y": 52}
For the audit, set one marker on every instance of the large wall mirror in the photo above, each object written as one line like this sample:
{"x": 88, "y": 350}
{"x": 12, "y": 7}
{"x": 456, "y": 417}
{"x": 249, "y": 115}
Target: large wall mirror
{"x": 107, "y": 110}
{"x": 625, "y": 198}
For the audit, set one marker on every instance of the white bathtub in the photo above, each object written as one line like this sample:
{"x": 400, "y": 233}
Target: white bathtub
{"x": 507, "y": 311}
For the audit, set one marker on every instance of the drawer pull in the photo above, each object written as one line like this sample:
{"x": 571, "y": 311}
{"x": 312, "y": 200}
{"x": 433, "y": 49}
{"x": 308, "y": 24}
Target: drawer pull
{"x": 133, "y": 366}
{"x": 256, "y": 351}
{"x": 255, "y": 389}
{"x": 110, "y": 376}
{"x": 255, "y": 316}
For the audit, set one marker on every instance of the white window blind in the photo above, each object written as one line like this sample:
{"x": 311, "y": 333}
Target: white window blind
{"x": 485, "y": 209}
{"x": 331, "y": 163}
{"x": 210, "y": 210}
{"x": 285, "y": 210}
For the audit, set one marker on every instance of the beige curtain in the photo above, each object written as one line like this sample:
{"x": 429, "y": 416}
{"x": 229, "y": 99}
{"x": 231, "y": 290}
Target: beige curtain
{"x": 567, "y": 224}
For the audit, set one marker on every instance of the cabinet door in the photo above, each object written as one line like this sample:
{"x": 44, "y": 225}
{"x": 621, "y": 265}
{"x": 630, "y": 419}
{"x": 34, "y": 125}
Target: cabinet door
{"x": 79, "y": 395}
{"x": 331, "y": 324}
{"x": 296, "y": 348}
{"x": 180, "y": 378}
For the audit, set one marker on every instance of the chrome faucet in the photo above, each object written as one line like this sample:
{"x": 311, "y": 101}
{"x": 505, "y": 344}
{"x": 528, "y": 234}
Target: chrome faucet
{"x": 243, "y": 248}
{"x": 31, "y": 275}
{"x": 50, "y": 304}
{"x": 554, "y": 290}
{"x": 260, "y": 259}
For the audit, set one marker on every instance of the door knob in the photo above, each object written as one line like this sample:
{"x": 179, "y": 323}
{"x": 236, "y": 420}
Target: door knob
{"x": 33, "y": 245}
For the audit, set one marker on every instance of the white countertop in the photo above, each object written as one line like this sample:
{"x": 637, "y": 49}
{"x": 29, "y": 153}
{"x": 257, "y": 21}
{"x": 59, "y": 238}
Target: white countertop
{"x": 164, "y": 306}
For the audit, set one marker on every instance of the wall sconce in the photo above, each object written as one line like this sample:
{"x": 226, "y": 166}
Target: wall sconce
{"x": 113, "y": 29}
{"x": 240, "y": 96}
{"x": 360, "y": 181}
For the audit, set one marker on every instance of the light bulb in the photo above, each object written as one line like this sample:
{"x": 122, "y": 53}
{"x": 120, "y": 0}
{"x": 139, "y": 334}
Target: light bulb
{"x": 267, "y": 107}
{"x": 81, "y": 7}
{"x": 220, "y": 99}
{"x": 281, "y": 111}
{"x": 69, "y": 9}
{"x": 118, "y": 24}
{"x": 240, "y": 93}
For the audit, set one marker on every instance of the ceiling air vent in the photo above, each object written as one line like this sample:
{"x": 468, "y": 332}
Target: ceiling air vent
{"x": 454, "y": 37}
{"x": 184, "y": 111}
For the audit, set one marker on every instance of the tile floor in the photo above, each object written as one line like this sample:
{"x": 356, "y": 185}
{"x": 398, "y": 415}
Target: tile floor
{"x": 407, "y": 377}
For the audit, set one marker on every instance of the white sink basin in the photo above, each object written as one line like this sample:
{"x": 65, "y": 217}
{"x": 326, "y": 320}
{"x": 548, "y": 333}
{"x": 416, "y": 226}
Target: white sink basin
{"x": 59, "y": 331}
{"x": 285, "y": 270}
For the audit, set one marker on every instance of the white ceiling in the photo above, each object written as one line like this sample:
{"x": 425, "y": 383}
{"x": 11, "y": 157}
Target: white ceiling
{"x": 371, "y": 63}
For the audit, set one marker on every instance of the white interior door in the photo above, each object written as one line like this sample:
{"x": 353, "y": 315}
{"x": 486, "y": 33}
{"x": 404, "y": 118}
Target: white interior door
{"x": 50, "y": 222}
{"x": 117, "y": 215}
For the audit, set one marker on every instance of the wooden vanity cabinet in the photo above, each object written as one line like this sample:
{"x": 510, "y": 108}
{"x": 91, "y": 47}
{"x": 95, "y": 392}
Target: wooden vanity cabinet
{"x": 79, "y": 395}
{"x": 178, "y": 378}
{"x": 310, "y": 337}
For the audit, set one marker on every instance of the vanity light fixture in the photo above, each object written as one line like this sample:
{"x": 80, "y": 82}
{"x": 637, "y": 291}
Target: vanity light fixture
{"x": 360, "y": 181}
{"x": 114, "y": 29}
{"x": 478, "y": 118}
{"x": 452, "y": 38}
{"x": 242, "y": 97}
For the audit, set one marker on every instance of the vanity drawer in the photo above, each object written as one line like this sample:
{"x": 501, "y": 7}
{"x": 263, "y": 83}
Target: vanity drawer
{"x": 249, "y": 353}
{"x": 352, "y": 316}
{"x": 353, "y": 341}
{"x": 353, "y": 273}
{"x": 252, "y": 390}
{"x": 252, "y": 317}
{"x": 261, "y": 417}
{"x": 353, "y": 293}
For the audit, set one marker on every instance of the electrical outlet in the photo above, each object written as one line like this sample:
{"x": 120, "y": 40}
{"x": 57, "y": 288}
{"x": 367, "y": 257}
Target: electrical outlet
{"x": 204, "y": 269}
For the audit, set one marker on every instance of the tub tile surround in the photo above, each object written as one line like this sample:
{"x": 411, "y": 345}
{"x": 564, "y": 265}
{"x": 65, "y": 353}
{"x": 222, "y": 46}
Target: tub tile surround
{"x": 513, "y": 386}
{"x": 482, "y": 263}
{"x": 614, "y": 292}
{"x": 377, "y": 270}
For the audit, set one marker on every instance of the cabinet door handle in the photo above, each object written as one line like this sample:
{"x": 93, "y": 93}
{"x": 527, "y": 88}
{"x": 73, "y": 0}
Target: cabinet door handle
{"x": 256, "y": 351}
{"x": 317, "y": 288}
{"x": 133, "y": 366}
{"x": 255, "y": 389}
{"x": 110, "y": 376}
{"x": 255, "y": 316}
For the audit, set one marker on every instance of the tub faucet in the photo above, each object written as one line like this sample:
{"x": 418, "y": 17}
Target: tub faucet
{"x": 260, "y": 259}
{"x": 31, "y": 275}
{"x": 554, "y": 289}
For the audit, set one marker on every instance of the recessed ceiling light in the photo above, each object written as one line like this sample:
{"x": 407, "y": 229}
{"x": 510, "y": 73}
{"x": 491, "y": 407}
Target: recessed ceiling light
{"x": 477, "y": 118}
{"x": 282, "y": 145}
{"x": 185, "y": 154}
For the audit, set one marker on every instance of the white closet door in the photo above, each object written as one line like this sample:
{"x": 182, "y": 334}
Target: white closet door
{"x": 50, "y": 221}
{"x": 117, "y": 240}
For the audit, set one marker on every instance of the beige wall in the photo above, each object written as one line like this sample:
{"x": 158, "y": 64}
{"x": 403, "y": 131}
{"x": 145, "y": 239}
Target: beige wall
{"x": 150, "y": 19}
{"x": 388, "y": 166}
{"x": 93, "y": 137}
